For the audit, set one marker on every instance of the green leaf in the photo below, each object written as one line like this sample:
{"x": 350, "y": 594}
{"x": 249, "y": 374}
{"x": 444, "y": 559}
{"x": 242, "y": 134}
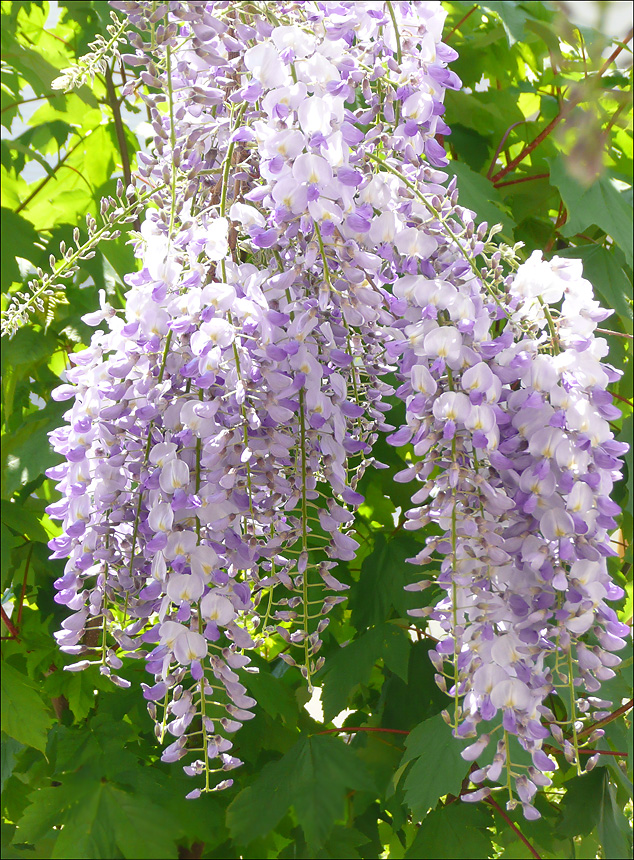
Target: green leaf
{"x": 384, "y": 573}
{"x": 511, "y": 14}
{"x": 23, "y": 522}
{"x": 78, "y": 687}
{"x": 10, "y": 749}
{"x": 579, "y": 807}
{"x": 627, "y": 431}
{"x": 32, "y": 66}
{"x": 438, "y": 769}
{"x": 98, "y": 820}
{"x": 8, "y": 542}
{"x": 25, "y": 717}
{"x": 601, "y": 204}
{"x": 408, "y": 704}
{"x": 345, "y": 670}
{"x": 453, "y": 832}
{"x": 352, "y": 665}
{"x": 615, "y": 832}
{"x": 313, "y": 776}
{"x": 31, "y": 153}
{"x": 258, "y": 808}
{"x": 471, "y": 148}
{"x": 19, "y": 235}
{"x": 343, "y": 844}
{"x": 28, "y": 452}
{"x": 273, "y": 696}
{"x": 326, "y": 768}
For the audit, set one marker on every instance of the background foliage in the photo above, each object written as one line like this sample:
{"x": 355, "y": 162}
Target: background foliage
{"x": 542, "y": 143}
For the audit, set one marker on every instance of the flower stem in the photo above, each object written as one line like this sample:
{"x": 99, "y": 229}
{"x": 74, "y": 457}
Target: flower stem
{"x": 302, "y": 442}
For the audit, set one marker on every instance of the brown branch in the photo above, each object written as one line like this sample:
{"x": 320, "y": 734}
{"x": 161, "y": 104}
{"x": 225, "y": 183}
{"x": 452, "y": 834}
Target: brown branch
{"x": 80, "y": 174}
{"x": 618, "y": 396}
{"x": 513, "y": 826}
{"x": 119, "y": 128}
{"x": 613, "y": 716}
{"x": 616, "y": 52}
{"x": 560, "y": 116}
{"x": 48, "y": 177}
{"x": 562, "y": 217}
{"x": 13, "y": 630}
{"x": 604, "y": 752}
{"x": 501, "y": 144}
{"x": 460, "y": 23}
{"x": 26, "y": 573}
{"x": 26, "y": 101}
{"x": 614, "y": 118}
{"x": 351, "y": 729}
{"x": 554, "y": 751}
{"x": 530, "y": 146}
{"x": 522, "y": 179}
{"x": 616, "y": 334}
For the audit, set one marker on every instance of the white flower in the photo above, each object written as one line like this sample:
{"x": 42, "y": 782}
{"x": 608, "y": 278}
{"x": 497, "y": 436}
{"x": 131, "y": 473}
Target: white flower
{"x": 215, "y": 607}
{"x": 267, "y": 67}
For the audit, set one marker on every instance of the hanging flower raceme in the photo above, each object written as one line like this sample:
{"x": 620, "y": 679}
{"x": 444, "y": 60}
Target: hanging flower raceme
{"x": 514, "y": 430}
{"x": 303, "y": 244}
{"x": 219, "y": 429}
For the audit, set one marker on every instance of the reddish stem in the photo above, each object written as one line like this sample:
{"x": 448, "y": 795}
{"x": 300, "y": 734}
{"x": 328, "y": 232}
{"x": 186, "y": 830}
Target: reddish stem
{"x": 460, "y": 23}
{"x": 604, "y": 752}
{"x": 618, "y": 396}
{"x": 553, "y": 751}
{"x": 613, "y": 716}
{"x": 523, "y": 179}
{"x": 350, "y": 729}
{"x": 48, "y": 177}
{"x": 13, "y": 630}
{"x": 616, "y": 52}
{"x": 501, "y": 144}
{"x": 26, "y": 101}
{"x": 22, "y": 592}
{"x": 562, "y": 217}
{"x": 616, "y": 334}
{"x": 513, "y": 826}
{"x": 554, "y": 122}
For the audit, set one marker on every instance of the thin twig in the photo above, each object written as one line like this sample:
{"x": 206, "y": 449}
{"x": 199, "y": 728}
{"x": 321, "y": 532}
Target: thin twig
{"x": 554, "y": 751}
{"x": 13, "y": 630}
{"x": 614, "y": 118}
{"x": 613, "y": 716}
{"x": 26, "y": 101}
{"x": 48, "y": 177}
{"x": 501, "y": 144}
{"x": 513, "y": 826}
{"x": 562, "y": 217}
{"x": 604, "y": 752}
{"x": 80, "y": 174}
{"x": 629, "y": 403}
{"x": 119, "y": 128}
{"x": 616, "y": 334}
{"x": 560, "y": 116}
{"x": 23, "y": 591}
{"x": 459, "y": 24}
{"x": 616, "y": 52}
{"x": 522, "y": 179}
{"x": 351, "y": 729}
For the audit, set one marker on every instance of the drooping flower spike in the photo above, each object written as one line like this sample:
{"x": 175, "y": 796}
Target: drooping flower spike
{"x": 303, "y": 245}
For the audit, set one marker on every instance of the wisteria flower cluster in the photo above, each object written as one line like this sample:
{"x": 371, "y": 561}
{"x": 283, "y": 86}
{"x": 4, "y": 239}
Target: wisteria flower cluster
{"x": 303, "y": 244}
{"x": 519, "y": 465}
